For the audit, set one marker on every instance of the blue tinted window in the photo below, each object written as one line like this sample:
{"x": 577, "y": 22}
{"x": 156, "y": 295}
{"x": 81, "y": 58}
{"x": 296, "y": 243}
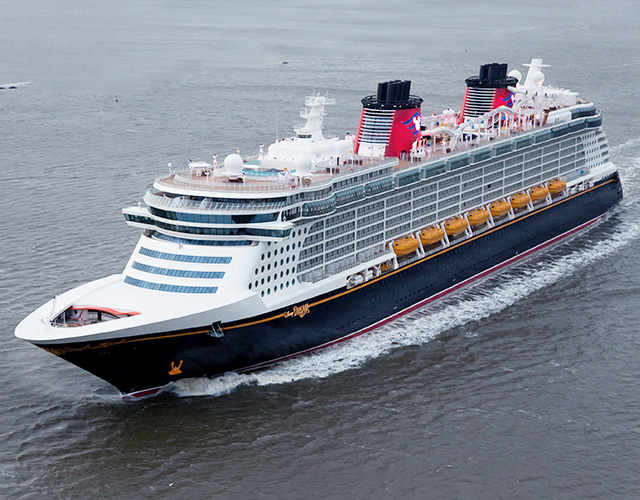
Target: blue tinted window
{"x": 170, "y": 288}
{"x": 178, "y": 272}
{"x": 184, "y": 258}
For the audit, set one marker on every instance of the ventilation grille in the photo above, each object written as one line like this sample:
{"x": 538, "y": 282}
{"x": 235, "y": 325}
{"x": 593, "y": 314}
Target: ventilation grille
{"x": 376, "y": 126}
{"x": 478, "y": 101}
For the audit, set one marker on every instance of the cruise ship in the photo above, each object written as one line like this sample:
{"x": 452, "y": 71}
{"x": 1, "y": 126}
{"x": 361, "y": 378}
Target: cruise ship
{"x": 314, "y": 240}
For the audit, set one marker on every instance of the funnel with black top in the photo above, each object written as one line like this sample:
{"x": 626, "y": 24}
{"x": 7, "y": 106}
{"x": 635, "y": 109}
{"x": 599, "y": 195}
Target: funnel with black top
{"x": 487, "y": 91}
{"x": 390, "y": 120}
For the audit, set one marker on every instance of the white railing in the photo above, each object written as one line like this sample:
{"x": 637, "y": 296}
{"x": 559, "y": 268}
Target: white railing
{"x": 199, "y": 181}
{"x": 158, "y": 200}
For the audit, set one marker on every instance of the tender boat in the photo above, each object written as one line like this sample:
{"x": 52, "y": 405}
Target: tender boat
{"x": 405, "y": 245}
{"x": 499, "y": 208}
{"x": 478, "y": 216}
{"x": 431, "y": 235}
{"x": 519, "y": 200}
{"x": 538, "y": 193}
{"x": 455, "y": 226}
{"x": 557, "y": 186}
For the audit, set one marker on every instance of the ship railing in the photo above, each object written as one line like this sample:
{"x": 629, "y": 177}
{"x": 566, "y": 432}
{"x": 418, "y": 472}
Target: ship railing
{"x": 202, "y": 182}
{"x": 159, "y": 200}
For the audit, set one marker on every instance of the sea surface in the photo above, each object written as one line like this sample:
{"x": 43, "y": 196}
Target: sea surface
{"x": 526, "y": 385}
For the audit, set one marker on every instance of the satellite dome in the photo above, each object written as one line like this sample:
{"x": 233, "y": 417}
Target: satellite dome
{"x": 233, "y": 164}
{"x": 537, "y": 78}
{"x": 514, "y": 73}
{"x": 303, "y": 163}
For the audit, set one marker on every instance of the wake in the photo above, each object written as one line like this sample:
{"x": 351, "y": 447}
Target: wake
{"x": 481, "y": 300}
{"x": 475, "y": 303}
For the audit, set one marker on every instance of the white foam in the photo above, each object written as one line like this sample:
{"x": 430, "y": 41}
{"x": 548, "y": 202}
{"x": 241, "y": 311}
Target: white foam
{"x": 480, "y": 301}
{"x": 631, "y": 144}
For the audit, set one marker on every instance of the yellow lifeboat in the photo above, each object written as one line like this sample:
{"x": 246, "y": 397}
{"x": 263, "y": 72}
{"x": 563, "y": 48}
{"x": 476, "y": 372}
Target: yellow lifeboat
{"x": 538, "y": 193}
{"x": 557, "y": 186}
{"x": 478, "y": 216}
{"x": 519, "y": 200}
{"x": 386, "y": 266}
{"x": 431, "y": 235}
{"x": 499, "y": 208}
{"x": 405, "y": 245}
{"x": 455, "y": 225}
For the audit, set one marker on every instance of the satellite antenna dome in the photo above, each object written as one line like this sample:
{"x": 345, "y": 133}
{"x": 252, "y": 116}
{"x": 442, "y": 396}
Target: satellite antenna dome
{"x": 233, "y": 164}
{"x": 303, "y": 163}
{"x": 514, "y": 73}
{"x": 538, "y": 78}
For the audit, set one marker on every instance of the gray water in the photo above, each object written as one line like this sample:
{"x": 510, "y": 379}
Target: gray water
{"x": 524, "y": 386}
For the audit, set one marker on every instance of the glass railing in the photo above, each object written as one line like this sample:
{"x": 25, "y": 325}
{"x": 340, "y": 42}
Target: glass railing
{"x": 198, "y": 180}
{"x": 154, "y": 199}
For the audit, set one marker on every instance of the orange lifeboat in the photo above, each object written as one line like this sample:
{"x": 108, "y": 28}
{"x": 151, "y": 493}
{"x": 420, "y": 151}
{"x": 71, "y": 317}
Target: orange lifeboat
{"x": 455, "y": 225}
{"x": 519, "y": 200}
{"x": 405, "y": 245}
{"x": 499, "y": 208}
{"x": 556, "y": 186}
{"x": 538, "y": 193}
{"x": 386, "y": 266}
{"x": 431, "y": 235}
{"x": 478, "y": 216}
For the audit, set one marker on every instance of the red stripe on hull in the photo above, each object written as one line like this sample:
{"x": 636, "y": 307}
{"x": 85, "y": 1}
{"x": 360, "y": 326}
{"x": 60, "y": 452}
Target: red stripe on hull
{"x": 425, "y": 301}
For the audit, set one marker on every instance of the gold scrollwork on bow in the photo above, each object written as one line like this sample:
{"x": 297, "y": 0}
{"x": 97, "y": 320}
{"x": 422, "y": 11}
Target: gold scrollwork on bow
{"x": 298, "y": 311}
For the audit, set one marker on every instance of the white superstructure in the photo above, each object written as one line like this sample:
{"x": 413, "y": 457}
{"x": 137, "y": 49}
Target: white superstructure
{"x": 223, "y": 242}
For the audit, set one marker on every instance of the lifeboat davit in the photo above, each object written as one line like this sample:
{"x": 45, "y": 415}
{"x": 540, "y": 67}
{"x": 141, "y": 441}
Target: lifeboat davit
{"x": 556, "y": 186}
{"x": 499, "y": 208}
{"x": 455, "y": 225}
{"x": 431, "y": 235}
{"x": 519, "y": 200}
{"x": 405, "y": 245}
{"x": 478, "y": 216}
{"x": 538, "y": 193}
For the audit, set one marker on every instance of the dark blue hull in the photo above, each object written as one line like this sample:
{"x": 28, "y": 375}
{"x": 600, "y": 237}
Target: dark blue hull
{"x": 140, "y": 364}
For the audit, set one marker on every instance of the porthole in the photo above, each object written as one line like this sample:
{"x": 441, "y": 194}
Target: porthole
{"x": 262, "y": 293}
{"x": 256, "y": 284}
{"x": 281, "y": 286}
{"x": 281, "y": 274}
{"x": 268, "y": 255}
{"x": 287, "y": 260}
{"x": 287, "y": 272}
{"x": 281, "y": 262}
{"x": 293, "y": 281}
{"x": 268, "y": 279}
{"x": 288, "y": 248}
{"x": 249, "y": 286}
{"x": 287, "y": 284}
{"x": 262, "y": 257}
{"x": 268, "y": 267}
{"x": 275, "y": 264}
{"x": 269, "y": 291}
{"x": 256, "y": 271}
{"x": 262, "y": 269}
{"x": 262, "y": 282}
{"x": 293, "y": 257}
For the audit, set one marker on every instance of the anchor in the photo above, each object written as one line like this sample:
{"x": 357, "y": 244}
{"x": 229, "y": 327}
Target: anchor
{"x": 215, "y": 331}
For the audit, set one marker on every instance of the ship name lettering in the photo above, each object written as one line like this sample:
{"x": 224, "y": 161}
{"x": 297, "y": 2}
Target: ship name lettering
{"x": 298, "y": 311}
